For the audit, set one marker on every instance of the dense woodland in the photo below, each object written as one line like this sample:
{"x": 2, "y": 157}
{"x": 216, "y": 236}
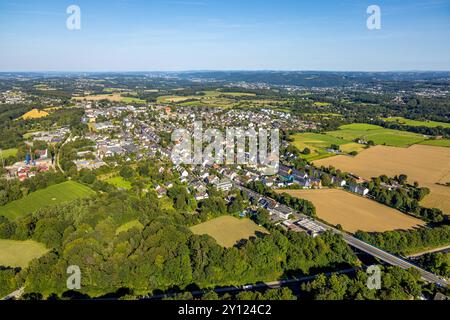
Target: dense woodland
{"x": 404, "y": 242}
{"x": 164, "y": 255}
{"x": 404, "y": 197}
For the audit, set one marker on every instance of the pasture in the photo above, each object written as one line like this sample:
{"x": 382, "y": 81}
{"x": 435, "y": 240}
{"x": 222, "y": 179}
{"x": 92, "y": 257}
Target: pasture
{"x": 55, "y": 194}
{"x": 210, "y": 98}
{"x": 353, "y": 212}
{"x": 19, "y": 253}
{"x": 437, "y": 142}
{"x": 428, "y": 165}
{"x": 318, "y": 143}
{"x": 417, "y": 123}
{"x": 377, "y": 134}
{"x": 228, "y": 230}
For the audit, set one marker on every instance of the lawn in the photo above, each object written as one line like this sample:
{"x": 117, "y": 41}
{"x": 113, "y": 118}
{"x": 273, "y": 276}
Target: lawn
{"x": 228, "y": 230}
{"x": 56, "y": 194}
{"x": 8, "y": 153}
{"x": 129, "y": 225}
{"x": 19, "y": 253}
{"x": 119, "y": 182}
{"x": 378, "y": 135}
{"x": 417, "y": 123}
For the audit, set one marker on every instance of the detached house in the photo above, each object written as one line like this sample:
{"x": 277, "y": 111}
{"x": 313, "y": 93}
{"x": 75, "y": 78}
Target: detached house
{"x": 224, "y": 185}
{"x": 161, "y": 192}
{"x": 338, "y": 181}
{"x": 356, "y": 188}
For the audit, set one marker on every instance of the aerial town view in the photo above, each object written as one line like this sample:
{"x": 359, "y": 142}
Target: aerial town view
{"x": 224, "y": 150}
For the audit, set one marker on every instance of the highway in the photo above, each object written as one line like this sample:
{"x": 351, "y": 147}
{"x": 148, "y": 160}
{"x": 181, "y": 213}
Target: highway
{"x": 369, "y": 249}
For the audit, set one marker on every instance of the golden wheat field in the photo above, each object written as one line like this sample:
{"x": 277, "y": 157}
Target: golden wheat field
{"x": 34, "y": 114}
{"x": 428, "y": 165}
{"x": 353, "y": 212}
{"x": 228, "y": 230}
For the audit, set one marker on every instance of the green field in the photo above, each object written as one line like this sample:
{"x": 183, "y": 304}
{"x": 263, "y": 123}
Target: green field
{"x": 318, "y": 143}
{"x": 437, "y": 143}
{"x": 9, "y": 153}
{"x": 119, "y": 182}
{"x": 132, "y": 100}
{"x": 360, "y": 126}
{"x": 19, "y": 253}
{"x": 228, "y": 230}
{"x": 206, "y": 98}
{"x": 351, "y": 147}
{"x": 56, "y": 194}
{"x": 129, "y": 225}
{"x": 377, "y": 134}
{"x": 416, "y": 123}
{"x": 322, "y": 104}
{"x": 322, "y": 114}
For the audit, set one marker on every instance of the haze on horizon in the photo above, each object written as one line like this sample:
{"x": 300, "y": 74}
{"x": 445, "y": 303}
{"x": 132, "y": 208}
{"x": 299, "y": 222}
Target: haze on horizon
{"x": 173, "y": 35}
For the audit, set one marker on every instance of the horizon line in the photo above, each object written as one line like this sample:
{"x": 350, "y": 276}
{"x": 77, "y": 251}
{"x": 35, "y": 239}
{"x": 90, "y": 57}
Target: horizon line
{"x": 222, "y": 70}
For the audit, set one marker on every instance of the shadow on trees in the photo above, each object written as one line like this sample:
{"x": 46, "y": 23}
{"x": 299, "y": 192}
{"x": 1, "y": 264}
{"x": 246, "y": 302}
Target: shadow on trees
{"x": 121, "y": 292}
{"x": 74, "y": 295}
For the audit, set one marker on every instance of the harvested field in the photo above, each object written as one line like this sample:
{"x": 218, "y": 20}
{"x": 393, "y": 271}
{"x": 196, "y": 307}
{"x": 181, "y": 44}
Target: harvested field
{"x": 427, "y": 165}
{"x": 353, "y": 212}
{"x": 113, "y": 97}
{"x": 228, "y": 230}
{"x": 34, "y": 114}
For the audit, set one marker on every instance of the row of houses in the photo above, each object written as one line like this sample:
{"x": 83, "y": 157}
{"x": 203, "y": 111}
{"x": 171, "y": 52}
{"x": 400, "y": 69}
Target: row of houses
{"x": 292, "y": 176}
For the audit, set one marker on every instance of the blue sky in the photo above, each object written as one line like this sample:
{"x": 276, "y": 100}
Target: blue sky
{"x": 166, "y": 35}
